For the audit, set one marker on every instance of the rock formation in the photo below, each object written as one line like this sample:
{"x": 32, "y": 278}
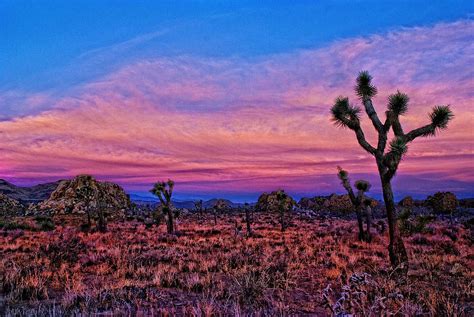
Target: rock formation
{"x": 31, "y": 194}
{"x": 66, "y": 199}
{"x": 270, "y": 202}
{"x": 9, "y": 206}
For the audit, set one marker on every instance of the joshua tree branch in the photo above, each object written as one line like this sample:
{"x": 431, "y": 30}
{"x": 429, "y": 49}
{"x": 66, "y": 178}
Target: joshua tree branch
{"x": 161, "y": 199}
{"x": 397, "y": 127}
{"x": 362, "y": 141}
{"x": 426, "y": 130}
{"x": 370, "y": 110}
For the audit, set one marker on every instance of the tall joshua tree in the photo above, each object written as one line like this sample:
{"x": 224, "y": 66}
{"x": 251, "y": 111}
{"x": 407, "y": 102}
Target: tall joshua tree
{"x": 348, "y": 116}
{"x": 164, "y": 190}
{"x": 358, "y": 200}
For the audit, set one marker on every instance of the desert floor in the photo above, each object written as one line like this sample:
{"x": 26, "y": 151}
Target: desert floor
{"x": 317, "y": 267}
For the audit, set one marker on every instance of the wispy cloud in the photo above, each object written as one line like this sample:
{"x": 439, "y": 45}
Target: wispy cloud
{"x": 239, "y": 126}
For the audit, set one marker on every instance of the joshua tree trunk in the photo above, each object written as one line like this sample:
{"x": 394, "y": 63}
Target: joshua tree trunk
{"x": 102, "y": 222}
{"x": 368, "y": 216}
{"x": 396, "y": 248}
{"x": 247, "y": 221}
{"x": 282, "y": 220}
{"x": 169, "y": 222}
{"x": 89, "y": 221}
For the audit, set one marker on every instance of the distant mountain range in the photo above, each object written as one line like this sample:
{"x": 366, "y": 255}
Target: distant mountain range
{"x": 188, "y": 204}
{"x": 31, "y": 194}
{"x": 41, "y": 192}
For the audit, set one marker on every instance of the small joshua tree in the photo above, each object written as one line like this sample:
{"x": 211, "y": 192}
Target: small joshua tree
{"x": 248, "y": 219}
{"x": 219, "y": 207}
{"x": 362, "y": 187}
{"x": 164, "y": 191}
{"x": 285, "y": 203}
{"x": 348, "y": 116}
{"x": 86, "y": 195}
{"x": 198, "y": 207}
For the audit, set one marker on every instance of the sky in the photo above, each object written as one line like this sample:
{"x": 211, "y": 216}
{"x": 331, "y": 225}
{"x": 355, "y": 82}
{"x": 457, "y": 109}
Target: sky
{"x": 229, "y": 98}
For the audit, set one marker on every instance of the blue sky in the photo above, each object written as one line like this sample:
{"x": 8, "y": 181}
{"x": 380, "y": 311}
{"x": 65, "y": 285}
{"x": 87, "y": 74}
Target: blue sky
{"x": 47, "y": 44}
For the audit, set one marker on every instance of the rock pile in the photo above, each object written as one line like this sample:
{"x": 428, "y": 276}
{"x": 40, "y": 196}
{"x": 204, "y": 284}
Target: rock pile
{"x": 9, "y": 206}
{"x": 68, "y": 198}
{"x": 270, "y": 202}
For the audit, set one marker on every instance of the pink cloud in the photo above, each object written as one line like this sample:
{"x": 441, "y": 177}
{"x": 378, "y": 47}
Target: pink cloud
{"x": 241, "y": 126}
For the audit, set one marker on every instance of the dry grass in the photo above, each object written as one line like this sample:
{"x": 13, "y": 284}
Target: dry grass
{"x": 317, "y": 267}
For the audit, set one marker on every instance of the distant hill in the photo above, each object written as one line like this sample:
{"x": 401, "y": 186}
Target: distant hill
{"x": 188, "y": 204}
{"x": 31, "y": 194}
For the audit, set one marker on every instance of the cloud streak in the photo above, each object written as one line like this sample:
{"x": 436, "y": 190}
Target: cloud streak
{"x": 234, "y": 126}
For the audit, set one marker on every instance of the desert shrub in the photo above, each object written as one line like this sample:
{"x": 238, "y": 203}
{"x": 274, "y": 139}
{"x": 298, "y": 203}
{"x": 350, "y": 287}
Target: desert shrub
{"x": 362, "y": 296}
{"x": 23, "y": 282}
{"x": 249, "y": 287}
{"x": 407, "y": 202}
{"x": 410, "y": 225}
{"x": 45, "y": 223}
{"x": 65, "y": 250}
{"x": 443, "y": 202}
{"x": 12, "y": 225}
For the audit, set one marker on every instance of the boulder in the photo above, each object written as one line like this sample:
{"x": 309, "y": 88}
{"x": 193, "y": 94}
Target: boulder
{"x": 9, "y": 206}
{"x": 67, "y": 198}
{"x": 316, "y": 203}
{"x": 339, "y": 203}
{"x": 270, "y": 202}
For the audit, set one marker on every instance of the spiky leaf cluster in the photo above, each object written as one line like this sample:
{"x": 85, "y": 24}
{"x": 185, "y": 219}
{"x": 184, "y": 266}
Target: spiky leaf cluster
{"x": 343, "y": 114}
{"x": 364, "y": 87}
{"x": 159, "y": 189}
{"x": 342, "y": 174}
{"x": 398, "y": 103}
{"x": 362, "y": 185}
{"x": 398, "y": 147}
{"x": 440, "y": 116}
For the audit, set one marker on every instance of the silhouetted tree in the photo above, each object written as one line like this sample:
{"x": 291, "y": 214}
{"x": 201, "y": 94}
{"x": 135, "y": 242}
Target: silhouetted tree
{"x": 348, "y": 116}
{"x": 362, "y": 187}
{"x": 219, "y": 207}
{"x": 248, "y": 219}
{"x": 285, "y": 203}
{"x": 198, "y": 206}
{"x": 164, "y": 191}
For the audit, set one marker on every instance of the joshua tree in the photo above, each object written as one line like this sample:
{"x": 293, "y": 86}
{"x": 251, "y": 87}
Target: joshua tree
{"x": 219, "y": 207}
{"x": 164, "y": 190}
{"x": 348, "y": 116}
{"x": 248, "y": 219}
{"x": 285, "y": 203}
{"x": 198, "y": 206}
{"x": 86, "y": 195}
{"x": 362, "y": 187}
